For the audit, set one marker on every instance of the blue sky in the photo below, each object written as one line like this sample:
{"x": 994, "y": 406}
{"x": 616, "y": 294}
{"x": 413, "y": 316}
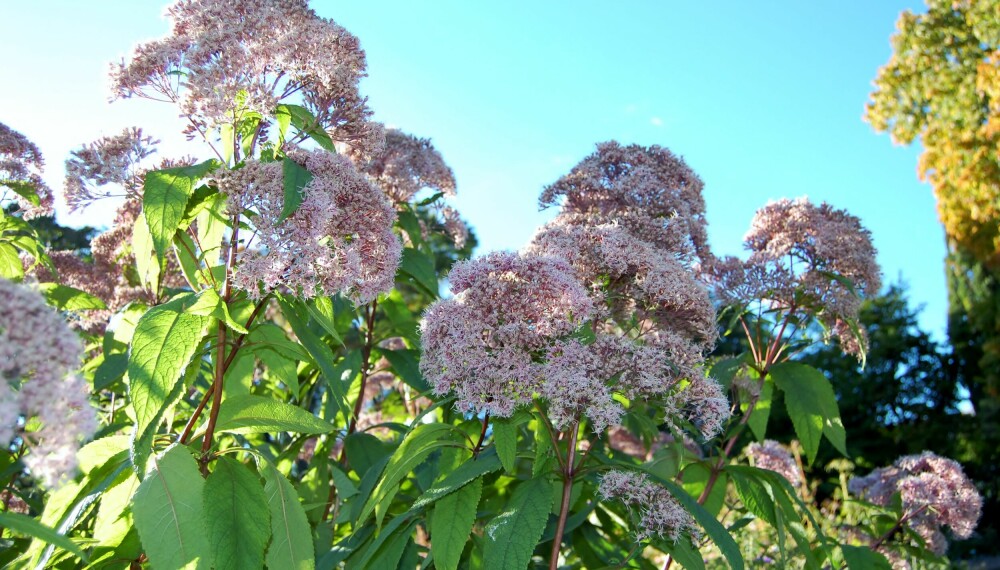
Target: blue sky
{"x": 764, "y": 100}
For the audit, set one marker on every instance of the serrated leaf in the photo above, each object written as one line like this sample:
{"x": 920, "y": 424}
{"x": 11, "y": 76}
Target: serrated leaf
{"x": 762, "y": 410}
{"x": 165, "y": 339}
{"x": 66, "y": 298}
{"x": 296, "y": 177}
{"x": 406, "y": 363}
{"x": 210, "y": 304}
{"x": 238, "y": 517}
{"x": 303, "y": 120}
{"x": 505, "y": 440}
{"x": 451, "y": 524}
{"x": 755, "y": 497}
{"x": 414, "y": 449}
{"x": 146, "y": 264}
{"x": 10, "y": 262}
{"x": 165, "y": 195}
{"x": 167, "y": 509}
{"x": 291, "y": 544}
{"x": 420, "y": 267}
{"x": 31, "y": 527}
{"x": 812, "y": 406}
{"x": 259, "y": 414}
{"x": 863, "y": 558}
{"x": 713, "y": 527}
{"x": 321, "y": 310}
{"x": 487, "y": 462}
{"x": 511, "y": 536}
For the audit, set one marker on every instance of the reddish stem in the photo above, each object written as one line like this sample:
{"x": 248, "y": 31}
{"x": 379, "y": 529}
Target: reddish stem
{"x": 569, "y": 472}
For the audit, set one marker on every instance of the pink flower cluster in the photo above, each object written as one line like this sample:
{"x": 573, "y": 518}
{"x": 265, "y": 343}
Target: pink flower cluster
{"x": 21, "y": 165}
{"x": 339, "y": 239}
{"x": 38, "y": 355}
{"x": 802, "y": 257}
{"x": 659, "y": 512}
{"x": 227, "y": 60}
{"x": 488, "y": 342}
{"x": 773, "y": 456}
{"x": 935, "y": 493}
{"x": 113, "y": 160}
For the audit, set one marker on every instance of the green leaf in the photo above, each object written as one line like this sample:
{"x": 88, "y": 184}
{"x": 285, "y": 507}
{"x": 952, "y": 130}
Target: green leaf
{"x": 31, "y": 527}
{"x": 27, "y": 191}
{"x": 487, "y": 462}
{"x": 167, "y": 508}
{"x": 291, "y": 537}
{"x": 320, "y": 352}
{"x": 165, "y": 195}
{"x": 146, "y": 263}
{"x": 111, "y": 369}
{"x": 420, "y": 267}
{"x": 415, "y": 448}
{"x": 812, "y": 406}
{"x": 863, "y": 558}
{"x": 210, "y": 304}
{"x": 755, "y": 496}
{"x": 238, "y": 518}
{"x": 259, "y": 414}
{"x": 713, "y": 527}
{"x": 512, "y": 535}
{"x": 406, "y": 363}
{"x": 212, "y": 225}
{"x": 762, "y": 410}
{"x": 385, "y": 551}
{"x": 296, "y": 177}
{"x": 684, "y": 552}
{"x": 303, "y": 120}
{"x": 10, "y": 262}
{"x": 451, "y": 524}
{"x": 321, "y": 310}
{"x": 164, "y": 342}
{"x": 505, "y": 440}
{"x": 66, "y": 298}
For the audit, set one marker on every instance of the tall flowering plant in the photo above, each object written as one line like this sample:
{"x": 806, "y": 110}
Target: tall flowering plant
{"x": 274, "y": 379}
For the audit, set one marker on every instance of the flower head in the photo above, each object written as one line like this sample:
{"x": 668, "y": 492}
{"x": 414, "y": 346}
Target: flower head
{"x": 339, "y": 239}
{"x": 659, "y": 512}
{"x": 648, "y": 190}
{"x": 407, "y": 165}
{"x": 113, "y": 160}
{"x": 816, "y": 258}
{"x": 21, "y": 167}
{"x": 775, "y": 457}
{"x": 934, "y": 490}
{"x": 225, "y": 61}
{"x": 38, "y": 355}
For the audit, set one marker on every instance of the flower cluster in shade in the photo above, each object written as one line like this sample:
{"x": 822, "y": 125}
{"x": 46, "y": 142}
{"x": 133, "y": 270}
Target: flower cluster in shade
{"x": 21, "y": 167}
{"x": 660, "y": 514}
{"x": 38, "y": 357}
{"x": 935, "y": 492}
{"x": 227, "y": 61}
{"x": 408, "y": 165}
{"x": 109, "y": 162}
{"x": 632, "y": 226}
{"x": 803, "y": 256}
{"x": 773, "y": 456}
{"x": 338, "y": 240}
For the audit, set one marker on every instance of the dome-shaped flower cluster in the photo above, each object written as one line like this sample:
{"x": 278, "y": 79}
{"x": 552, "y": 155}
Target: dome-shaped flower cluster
{"x": 224, "y": 61}
{"x": 659, "y": 512}
{"x": 339, "y": 239}
{"x": 935, "y": 493}
{"x": 38, "y": 357}
{"x": 21, "y": 165}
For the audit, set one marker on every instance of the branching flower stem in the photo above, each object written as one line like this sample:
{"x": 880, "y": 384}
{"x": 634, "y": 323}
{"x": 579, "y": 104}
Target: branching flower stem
{"x": 568, "y": 474}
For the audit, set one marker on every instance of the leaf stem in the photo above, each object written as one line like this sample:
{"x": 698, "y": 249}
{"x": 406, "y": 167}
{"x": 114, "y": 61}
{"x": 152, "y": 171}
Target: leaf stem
{"x": 482, "y": 436}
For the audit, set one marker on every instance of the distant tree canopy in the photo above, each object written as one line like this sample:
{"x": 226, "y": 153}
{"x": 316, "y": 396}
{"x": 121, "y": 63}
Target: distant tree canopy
{"x": 942, "y": 87}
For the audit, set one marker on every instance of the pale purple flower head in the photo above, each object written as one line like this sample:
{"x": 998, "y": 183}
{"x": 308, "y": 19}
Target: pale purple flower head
{"x": 773, "y": 456}
{"x": 802, "y": 257}
{"x": 648, "y": 190}
{"x": 115, "y": 161}
{"x": 21, "y": 167}
{"x": 659, "y": 512}
{"x": 406, "y": 166}
{"x": 339, "y": 239}
{"x": 224, "y": 61}
{"x": 935, "y": 493}
{"x": 486, "y": 344}
{"x": 38, "y": 357}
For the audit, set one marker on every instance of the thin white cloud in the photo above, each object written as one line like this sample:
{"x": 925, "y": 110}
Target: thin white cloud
{"x": 656, "y": 121}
